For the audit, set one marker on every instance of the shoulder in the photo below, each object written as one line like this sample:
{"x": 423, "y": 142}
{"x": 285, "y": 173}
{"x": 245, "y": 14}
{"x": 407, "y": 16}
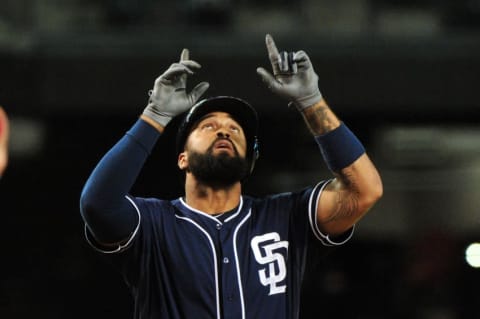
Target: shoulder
{"x": 273, "y": 203}
{"x": 151, "y": 205}
{"x": 151, "y": 201}
{"x": 288, "y": 198}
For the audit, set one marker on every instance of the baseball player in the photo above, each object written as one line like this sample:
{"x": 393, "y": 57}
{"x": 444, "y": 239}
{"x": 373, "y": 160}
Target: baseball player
{"x": 215, "y": 252}
{"x": 4, "y": 136}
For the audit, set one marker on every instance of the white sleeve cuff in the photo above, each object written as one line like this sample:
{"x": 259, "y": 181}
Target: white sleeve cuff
{"x": 326, "y": 240}
{"x": 92, "y": 242}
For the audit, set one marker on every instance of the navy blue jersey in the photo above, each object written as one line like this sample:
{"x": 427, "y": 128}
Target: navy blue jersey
{"x": 181, "y": 263}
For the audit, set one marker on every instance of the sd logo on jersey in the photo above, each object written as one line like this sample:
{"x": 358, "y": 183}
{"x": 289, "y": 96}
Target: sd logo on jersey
{"x": 265, "y": 249}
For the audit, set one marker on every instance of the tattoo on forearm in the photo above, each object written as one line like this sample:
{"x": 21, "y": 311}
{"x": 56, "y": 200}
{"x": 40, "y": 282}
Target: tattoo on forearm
{"x": 321, "y": 119}
{"x": 346, "y": 200}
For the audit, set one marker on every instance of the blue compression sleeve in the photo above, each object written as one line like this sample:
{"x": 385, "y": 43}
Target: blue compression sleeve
{"x": 109, "y": 216}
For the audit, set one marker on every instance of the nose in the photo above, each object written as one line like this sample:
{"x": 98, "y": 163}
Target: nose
{"x": 223, "y": 134}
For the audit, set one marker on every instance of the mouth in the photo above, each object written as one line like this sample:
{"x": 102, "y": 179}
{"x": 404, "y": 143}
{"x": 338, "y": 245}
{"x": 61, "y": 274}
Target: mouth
{"x": 223, "y": 144}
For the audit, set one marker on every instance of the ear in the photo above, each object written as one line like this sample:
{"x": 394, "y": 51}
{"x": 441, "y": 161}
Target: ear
{"x": 182, "y": 161}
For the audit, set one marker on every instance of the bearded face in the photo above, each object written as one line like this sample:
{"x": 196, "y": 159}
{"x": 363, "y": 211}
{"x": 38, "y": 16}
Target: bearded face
{"x": 217, "y": 170}
{"x": 215, "y": 151}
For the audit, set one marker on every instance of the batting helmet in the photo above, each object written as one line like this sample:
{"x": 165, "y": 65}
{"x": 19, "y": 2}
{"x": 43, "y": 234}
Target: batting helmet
{"x": 239, "y": 109}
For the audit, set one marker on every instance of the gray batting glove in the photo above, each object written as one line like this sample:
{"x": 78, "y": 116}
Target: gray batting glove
{"x": 169, "y": 97}
{"x": 293, "y": 76}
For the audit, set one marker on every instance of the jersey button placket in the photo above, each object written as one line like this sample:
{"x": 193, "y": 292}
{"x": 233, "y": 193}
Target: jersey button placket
{"x": 230, "y": 287}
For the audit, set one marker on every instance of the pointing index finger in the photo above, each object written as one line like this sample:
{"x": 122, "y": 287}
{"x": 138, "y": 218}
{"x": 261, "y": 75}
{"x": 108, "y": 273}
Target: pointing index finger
{"x": 271, "y": 48}
{"x": 185, "y": 55}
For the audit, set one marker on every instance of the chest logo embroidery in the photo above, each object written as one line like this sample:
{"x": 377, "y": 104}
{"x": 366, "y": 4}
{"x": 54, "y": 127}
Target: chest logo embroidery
{"x": 266, "y": 249}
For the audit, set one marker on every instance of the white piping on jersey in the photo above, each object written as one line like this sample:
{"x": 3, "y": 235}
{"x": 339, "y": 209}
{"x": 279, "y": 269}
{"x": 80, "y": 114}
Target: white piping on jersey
{"x": 239, "y": 279}
{"x": 240, "y": 206}
{"x": 217, "y": 288}
{"x": 325, "y": 239}
{"x": 237, "y": 262}
{"x": 215, "y": 218}
{"x": 120, "y": 247}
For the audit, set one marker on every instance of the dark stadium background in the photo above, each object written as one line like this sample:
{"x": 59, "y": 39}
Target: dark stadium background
{"x": 404, "y": 75}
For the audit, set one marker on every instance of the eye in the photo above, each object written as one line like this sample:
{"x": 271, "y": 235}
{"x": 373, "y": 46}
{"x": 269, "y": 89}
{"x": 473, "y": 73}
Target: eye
{"x": 235, "y": 129}
{"x": 207, "y": 126}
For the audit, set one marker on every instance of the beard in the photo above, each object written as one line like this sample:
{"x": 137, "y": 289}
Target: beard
{"x": 217, "y": 171}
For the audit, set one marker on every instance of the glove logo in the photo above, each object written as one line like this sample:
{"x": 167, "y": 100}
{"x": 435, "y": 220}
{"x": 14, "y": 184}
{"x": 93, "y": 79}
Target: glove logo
{"x": 266, "y": 251}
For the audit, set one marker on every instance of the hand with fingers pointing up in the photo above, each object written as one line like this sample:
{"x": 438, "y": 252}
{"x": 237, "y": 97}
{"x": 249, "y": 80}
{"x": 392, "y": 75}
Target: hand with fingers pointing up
{"x": 169, "y": 96}
{"x": 293, "y": 76}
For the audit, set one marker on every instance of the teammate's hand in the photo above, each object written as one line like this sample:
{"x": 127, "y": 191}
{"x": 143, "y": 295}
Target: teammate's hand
{"x": 293, "y": 76}
{"x": 4, "y": 136}
{"x": 169, "y": 95}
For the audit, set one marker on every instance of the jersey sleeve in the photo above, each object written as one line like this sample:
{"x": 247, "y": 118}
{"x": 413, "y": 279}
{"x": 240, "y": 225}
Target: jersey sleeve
{"x": 134, "y": 258}
{"x": 300, "y": 209}
{"x": 325, "y": 239}
{"x": 122, "y": 246}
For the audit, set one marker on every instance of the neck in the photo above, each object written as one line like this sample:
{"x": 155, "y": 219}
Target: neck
{"x": 211, "y": 200}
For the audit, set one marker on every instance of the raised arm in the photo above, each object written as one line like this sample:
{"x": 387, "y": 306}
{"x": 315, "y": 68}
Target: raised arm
{"x": 356, "y": 185}
{"x": 108, "y": 213}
